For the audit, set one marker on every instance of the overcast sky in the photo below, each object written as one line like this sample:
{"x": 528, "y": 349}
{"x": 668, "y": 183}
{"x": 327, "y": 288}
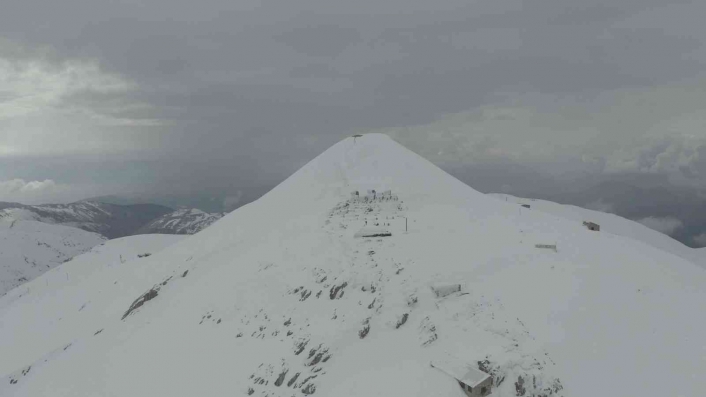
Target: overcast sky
{"x": 224, "y": 96}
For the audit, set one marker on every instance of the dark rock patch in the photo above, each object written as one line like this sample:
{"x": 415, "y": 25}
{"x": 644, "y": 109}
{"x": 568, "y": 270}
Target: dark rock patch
{"x": 336, "y": 291}
{"x": 520, "y": 386}
{"x": 299, "y": 347}
{"x": 144, "y": 298}
{"x": 366, "y": 329}
{"x": 280, "y": 378}
{"x": 319, "y": 356}
{"x": 305, "y": 381}
{"x": 294, "y": 379}
{"x": 304, "y": 295}
{"x": 402, "y": 320}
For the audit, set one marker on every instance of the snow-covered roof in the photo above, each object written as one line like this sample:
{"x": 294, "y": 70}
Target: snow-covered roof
{"x": 460, "y": 371}
{"x": 372, "y": 232}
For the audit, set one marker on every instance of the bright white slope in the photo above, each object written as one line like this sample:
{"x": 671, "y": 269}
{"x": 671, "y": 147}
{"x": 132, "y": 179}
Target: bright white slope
{"x": 30, "y": 248}
{"x": 278, "y": 298}
{"x": 612, "y": 224}
{"x": 66, "y": 302}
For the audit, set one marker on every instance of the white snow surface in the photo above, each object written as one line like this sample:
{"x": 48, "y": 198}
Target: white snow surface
{"x": 29, "y": 248}
{"x": 611, "y": 224}
{"x": 279, "y": 299}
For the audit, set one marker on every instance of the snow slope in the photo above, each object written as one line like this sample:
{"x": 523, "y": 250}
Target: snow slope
{"x": 182, "y": 221}
{"x": 67, "y": 301}
{"x": 613, "y": 224}
{"x": 280, "y": 299}
{"x": 29, "y": 248}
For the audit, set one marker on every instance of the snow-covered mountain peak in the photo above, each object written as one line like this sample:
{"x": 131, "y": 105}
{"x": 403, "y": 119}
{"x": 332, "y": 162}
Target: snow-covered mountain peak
{"x": 315, "y": 290}
{"x": 369, "y": 162}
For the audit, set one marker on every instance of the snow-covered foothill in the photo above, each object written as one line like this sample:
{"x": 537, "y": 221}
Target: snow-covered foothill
{"x": 70, "y": 301}
{"x": 29, "y": 248}
{"x": 611, "y": 224}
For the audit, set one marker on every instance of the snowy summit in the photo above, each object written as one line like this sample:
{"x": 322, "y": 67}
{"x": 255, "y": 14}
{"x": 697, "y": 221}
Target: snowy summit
{"x": 280, "y": 298}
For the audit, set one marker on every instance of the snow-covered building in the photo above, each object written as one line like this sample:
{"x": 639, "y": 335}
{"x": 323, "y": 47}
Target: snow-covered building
{"x": 442, "y": 290}
{"x": 474, "y": 382}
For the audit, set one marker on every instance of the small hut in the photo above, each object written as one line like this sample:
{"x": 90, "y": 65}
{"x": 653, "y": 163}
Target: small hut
{"x": 592, "y": 226}
{"x": 474, "y": 382}
{"x": 443, "y": 290}
{"x": 546, "y": 246}
{"x": 526, "y": 205}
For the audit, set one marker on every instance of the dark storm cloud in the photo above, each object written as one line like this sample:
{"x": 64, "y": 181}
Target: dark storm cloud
{"x": 215, "y": 95}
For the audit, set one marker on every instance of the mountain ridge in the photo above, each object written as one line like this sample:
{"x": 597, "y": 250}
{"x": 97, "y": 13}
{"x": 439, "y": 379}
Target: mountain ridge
{"x": 181, "y": 221}
{"x": 113, "y": 220}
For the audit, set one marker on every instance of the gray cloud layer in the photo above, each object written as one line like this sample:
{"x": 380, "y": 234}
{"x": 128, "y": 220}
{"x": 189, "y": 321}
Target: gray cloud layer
{"x": 218, "y": 97}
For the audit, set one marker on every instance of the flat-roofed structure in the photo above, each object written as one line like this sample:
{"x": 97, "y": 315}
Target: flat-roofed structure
{"x": 474, "y": 382}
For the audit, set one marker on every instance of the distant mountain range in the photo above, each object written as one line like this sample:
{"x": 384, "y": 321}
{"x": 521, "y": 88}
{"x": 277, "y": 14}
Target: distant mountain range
{"x": 182, "y": 221}
{"x": 112, "y": 220}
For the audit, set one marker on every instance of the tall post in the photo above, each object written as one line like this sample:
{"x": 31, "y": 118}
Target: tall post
{"x": 405, "y": 225}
